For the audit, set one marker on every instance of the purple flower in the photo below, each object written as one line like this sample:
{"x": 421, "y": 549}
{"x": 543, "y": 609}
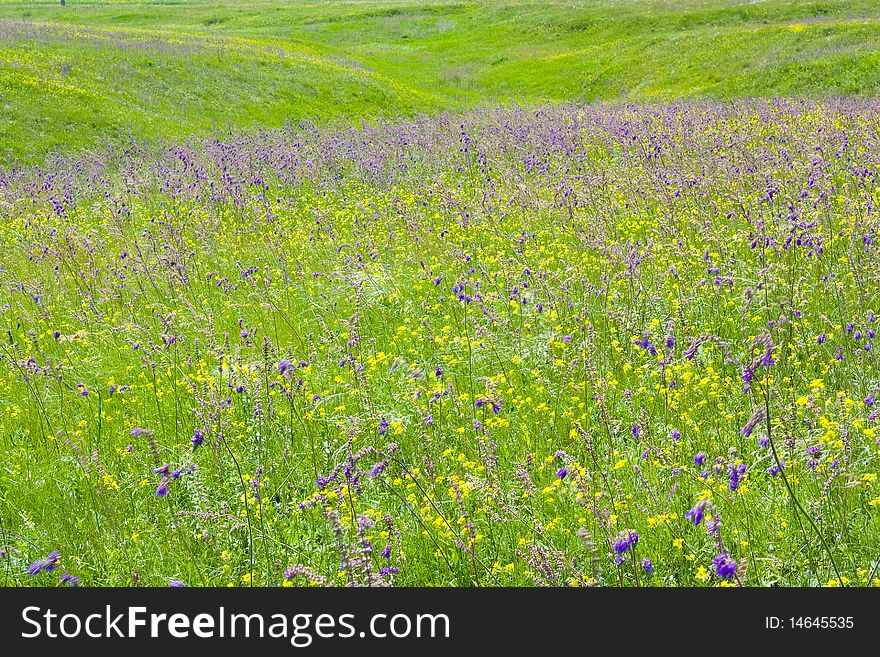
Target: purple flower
{"x": 870, "y": 401}
{"x": 162, "y": 489}
{"x": 675, "y": 434}
{"x": 695, "y": 515}
{"x": 648, "y": 566}
{"x": 48, "y": 564}
{"x": 197, "y": 439}
{"x": 176, "y": 584}
{"x": 737, "y": 472}
{"x": 383, "y": 426}
{"x": 724, "y": 566}
{"x": 70, "y": 580}
{"x": 635, "y": 431}
{"x": 713, "y": 525}
{"x": 562, "y": 472}
{"x": 284, "y": 367}
{"x": 137, "y": 432}
{"x": 699, "y": 458}
{"x": 763, "y": 441}
{"x": 625, "y": 542}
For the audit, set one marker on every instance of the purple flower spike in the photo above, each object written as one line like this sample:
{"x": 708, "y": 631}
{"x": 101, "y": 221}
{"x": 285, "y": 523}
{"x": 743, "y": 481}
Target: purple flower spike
{"x": 724, "y": 566}
{"x": 48, "y": 564}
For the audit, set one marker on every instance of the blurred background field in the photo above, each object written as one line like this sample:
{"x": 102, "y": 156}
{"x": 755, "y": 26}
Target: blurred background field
{"x": 96, "y": 71}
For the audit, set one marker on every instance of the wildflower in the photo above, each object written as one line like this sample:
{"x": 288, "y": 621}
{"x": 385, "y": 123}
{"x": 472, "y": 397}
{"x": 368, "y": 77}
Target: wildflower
{"x": 562, "y": 473}
{"x": 378, "y": 468}
{"x": 137, "y": 432}
{"x": 176, "y": 584}
{"x": 699, "y": 458}
{"x": 625, "y": 542}
{"x": 197, "y": 439}
{"x": 695, "y": 515}
{"x": 724, "y": 566}
{"x": 737, "y": 472}
{"x": 48, "y": 564}
{"x": 870, "y": 401}
{"x": 383, "y": 426}
{"x": 284, "y": 367}
{"x": 713, "y": 525}
{"x": 70, "y": 580}
{"x": 647, "y": 566}
{"x": 749, "y": 427}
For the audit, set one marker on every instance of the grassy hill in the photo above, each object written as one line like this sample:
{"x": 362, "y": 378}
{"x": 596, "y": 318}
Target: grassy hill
{"x": 156, "y": 70}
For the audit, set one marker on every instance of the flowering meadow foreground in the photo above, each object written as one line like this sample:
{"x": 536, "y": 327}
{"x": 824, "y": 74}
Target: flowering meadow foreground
{"x": 574, "y": 345}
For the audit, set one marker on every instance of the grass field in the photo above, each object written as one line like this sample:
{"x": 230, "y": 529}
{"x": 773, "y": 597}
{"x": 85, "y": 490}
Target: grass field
{"x": 93, "y": 71}
{"x": 468, "y": 294}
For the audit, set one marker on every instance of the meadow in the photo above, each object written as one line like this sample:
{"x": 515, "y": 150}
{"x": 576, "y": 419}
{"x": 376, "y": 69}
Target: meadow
{"x": 538, "y": 339}
{"x": 89, "y": 72}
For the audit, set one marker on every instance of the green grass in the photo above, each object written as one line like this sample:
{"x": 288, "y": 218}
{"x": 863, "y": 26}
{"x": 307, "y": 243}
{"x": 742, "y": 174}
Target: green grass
{"x": 525, "y": 254}
{"x": 95, "y": 71}
{"x": 415, "y": 289}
